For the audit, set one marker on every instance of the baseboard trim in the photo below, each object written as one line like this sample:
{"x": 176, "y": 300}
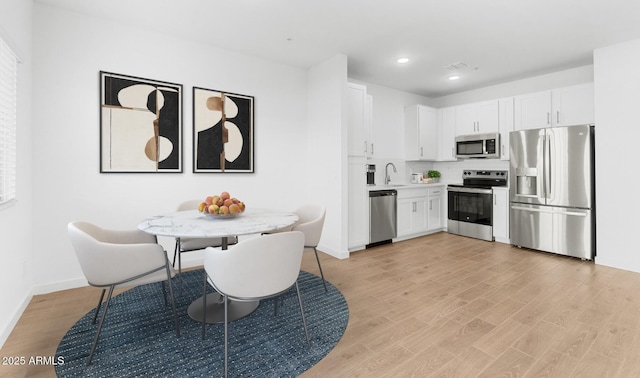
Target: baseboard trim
{"x": 337, "y": 254}
{"x": 14, "y": 319}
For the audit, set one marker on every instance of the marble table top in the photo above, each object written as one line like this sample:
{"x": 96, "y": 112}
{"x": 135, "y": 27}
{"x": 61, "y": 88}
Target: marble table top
{"x": 193, "y": 224}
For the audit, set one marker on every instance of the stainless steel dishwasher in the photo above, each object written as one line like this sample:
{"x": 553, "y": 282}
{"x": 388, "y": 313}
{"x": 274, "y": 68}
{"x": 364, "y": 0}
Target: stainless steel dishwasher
{"x": 382, "y": 216}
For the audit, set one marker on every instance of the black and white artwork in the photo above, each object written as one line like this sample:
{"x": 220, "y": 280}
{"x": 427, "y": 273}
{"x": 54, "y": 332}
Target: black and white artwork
{"x": 222, "y": 131}
{"x": 140, "y": 124}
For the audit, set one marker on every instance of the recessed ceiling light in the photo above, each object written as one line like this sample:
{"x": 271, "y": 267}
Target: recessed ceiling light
{"x": 403, "y": 60}
{"x": 454, "y": 77}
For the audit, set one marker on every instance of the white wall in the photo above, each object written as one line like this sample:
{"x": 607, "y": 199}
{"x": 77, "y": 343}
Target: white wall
{"x": 16, "y": 274}
{"x": 69, "y": 51}
{"x": 326, "y": 171}
{"x": 617, "y": 84}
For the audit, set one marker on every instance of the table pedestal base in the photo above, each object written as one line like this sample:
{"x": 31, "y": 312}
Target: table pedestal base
{"x": 215, "y": 309}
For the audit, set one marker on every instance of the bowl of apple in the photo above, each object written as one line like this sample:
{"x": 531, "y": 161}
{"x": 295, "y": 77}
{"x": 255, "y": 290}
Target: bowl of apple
{"x": 221, "y": 206}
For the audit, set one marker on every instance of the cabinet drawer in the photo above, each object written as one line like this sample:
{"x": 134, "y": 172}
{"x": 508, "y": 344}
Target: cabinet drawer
{"x": 412, "y": 192}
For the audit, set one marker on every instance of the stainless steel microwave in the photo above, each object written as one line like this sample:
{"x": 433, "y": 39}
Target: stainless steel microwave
{"x": 478, "y": 146}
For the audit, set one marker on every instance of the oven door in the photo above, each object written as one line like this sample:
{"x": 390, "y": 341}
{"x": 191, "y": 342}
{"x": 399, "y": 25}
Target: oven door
{"x": 471, "y": 205}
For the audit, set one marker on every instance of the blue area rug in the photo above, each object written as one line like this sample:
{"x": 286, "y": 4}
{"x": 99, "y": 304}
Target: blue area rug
{"x": 138, "y": 338}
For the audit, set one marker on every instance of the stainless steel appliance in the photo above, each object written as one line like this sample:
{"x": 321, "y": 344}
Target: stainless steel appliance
{"x": 552, "y": 190}
{"x": 371, "y": 174}
{"x": 470, "y": 205}
{"x": 382, "y": 216}
{"x": 478, "y": 146}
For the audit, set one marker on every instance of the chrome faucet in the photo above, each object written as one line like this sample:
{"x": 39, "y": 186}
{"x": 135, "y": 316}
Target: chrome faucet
{"x": 387, "y": 179}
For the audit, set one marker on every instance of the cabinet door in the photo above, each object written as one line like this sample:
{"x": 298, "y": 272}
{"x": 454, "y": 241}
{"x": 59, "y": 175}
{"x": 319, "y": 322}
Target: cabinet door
{"x": 419, "y": 218}
{"x": 533, "y": 111}
{"x": 421, "y": 133}
{"x": 404, "y": 216}
{"x": 357, "y": 128}
{"x": 573, "y": 105}
{"x": 447, "y": 134}
{"x": 358, "y": 205}
{"x": 487, "y": 117}
{"x": 368, "y": 126}
{"x": 501, "y": 214}
{"x": 428, "y": 130}
{"x": 411, "y": 133}
{"x": 434, "y": 213}
{"x": 465, "y": 119}
{"x": 506, "y": 125}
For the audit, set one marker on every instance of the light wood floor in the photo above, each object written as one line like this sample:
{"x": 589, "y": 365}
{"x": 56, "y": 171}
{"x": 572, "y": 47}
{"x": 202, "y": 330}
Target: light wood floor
{"x": 438, "y": 306}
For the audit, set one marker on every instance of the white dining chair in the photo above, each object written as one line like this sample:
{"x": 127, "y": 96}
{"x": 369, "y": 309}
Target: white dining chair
{"x": 257, "y": 268}
{"x": 310, "y": 222}
{"x": 193, "y": 244}
{"x": 112, "y": 259}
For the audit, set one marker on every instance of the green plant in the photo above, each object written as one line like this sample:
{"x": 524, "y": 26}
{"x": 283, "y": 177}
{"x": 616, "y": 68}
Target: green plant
{"x": 433, "y": 174}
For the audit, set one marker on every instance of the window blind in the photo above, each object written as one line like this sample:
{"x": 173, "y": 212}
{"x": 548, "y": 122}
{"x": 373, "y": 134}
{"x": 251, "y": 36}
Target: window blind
{"x": 8, "y": 94}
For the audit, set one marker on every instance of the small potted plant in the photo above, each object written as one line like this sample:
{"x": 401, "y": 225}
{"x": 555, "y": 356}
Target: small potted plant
{"x": 434, "y": 176}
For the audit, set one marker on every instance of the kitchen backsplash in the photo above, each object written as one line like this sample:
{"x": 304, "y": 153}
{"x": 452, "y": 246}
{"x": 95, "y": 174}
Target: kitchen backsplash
{"x": 451, "y": 172}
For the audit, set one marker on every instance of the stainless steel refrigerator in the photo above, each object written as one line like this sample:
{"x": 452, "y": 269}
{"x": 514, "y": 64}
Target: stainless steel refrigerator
{"x": 552, "y": 190}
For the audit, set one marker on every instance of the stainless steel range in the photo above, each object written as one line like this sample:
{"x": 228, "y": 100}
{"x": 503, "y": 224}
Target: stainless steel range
{"x": 471, "y": 203}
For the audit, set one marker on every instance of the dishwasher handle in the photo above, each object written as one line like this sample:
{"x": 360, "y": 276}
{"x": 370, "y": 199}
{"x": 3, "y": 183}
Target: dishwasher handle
{"x": 383, "y": 193}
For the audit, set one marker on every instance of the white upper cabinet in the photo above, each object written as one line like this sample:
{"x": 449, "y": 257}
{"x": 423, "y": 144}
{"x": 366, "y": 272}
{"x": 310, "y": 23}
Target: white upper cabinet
{"x": 560, "y": 107}
{"x": 533, "y": 110}
{"x": 447, "y": 134}
{"x": 506, "y": 125}
{"x": 477, "y": 118}
{"x": 420, "y": 133}
{"x": 359, "y": 119}
{"x": 573, "y": 105}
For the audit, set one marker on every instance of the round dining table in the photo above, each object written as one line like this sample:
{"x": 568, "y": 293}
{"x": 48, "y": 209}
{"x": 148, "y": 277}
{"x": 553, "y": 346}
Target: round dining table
{"x": 193, "y": 224}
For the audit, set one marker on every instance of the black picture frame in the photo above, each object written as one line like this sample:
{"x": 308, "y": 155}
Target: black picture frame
{"x": 140, "y": 125}
{"x": 217, "y": 149}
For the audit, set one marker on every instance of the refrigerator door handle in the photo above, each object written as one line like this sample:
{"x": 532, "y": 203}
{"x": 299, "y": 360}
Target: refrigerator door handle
{"x": 544, "y": 210}
{"x": 531, "y": 209}
{"x": 547, "y": 164}
{"x": 540, "y": 184}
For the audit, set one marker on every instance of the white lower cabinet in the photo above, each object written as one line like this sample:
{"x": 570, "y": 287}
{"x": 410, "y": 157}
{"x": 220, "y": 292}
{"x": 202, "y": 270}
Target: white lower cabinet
{"x": 420, "y": 211}
{"x": 412, "y": 216}
{"x": 358, "y": 205}
{"x": 501, "y": 215}
{"x": 435, "y": 209}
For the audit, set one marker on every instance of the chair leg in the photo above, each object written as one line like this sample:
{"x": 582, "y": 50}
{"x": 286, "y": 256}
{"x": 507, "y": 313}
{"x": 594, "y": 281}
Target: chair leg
{"x": 281, "y": 299}
{"x": 95, "y": 316}
{"x": 104, "y": 314}
{"x": 164, "y": 294}
{"x": 180, "y": 271}
{"x": 204, "y": 305}
{"x": 173, "y": 298}
{"x": 226, "y": 336}
{"x": 320, "y": 266}
{"x": 304, "y": 320}
{"x": 175, "y": 252}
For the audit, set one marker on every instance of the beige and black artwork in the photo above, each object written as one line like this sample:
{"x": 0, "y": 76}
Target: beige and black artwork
{"x": 222, "y": 132}
{"x": 140, "y": 125}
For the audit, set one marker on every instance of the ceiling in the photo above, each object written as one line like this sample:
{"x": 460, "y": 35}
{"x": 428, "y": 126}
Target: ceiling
{"x": 498, "y": 40}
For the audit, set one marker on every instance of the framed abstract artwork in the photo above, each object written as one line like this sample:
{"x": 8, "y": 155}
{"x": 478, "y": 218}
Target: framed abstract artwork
{"x": 140, "y": 125}
{"x": 222, "y": 131}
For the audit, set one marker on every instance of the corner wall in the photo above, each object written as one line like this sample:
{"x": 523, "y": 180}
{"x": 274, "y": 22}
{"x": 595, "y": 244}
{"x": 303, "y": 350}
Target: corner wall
{"x": 16, "y": 269}
{"x": 326, "y": 173}
{"x": 617, "y": 84}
